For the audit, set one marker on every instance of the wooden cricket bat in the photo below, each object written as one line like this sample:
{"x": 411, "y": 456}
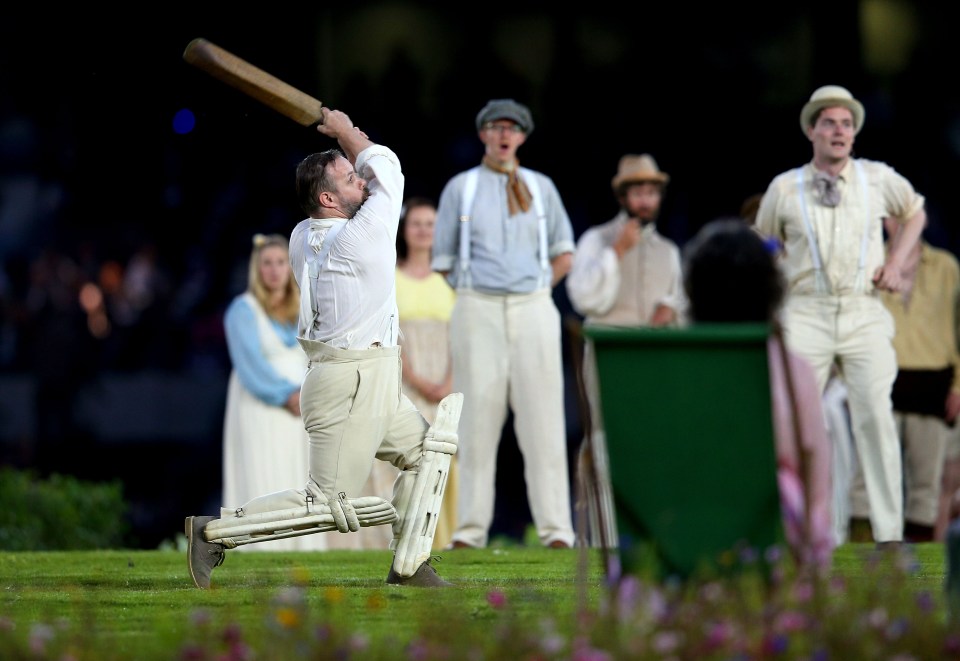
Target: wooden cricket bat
{"x": 253, "y": 81}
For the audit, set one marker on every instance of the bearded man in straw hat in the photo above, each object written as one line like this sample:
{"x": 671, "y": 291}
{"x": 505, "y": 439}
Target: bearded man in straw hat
{"x": 828, "y": 215}
{"x": 624, "y": 273}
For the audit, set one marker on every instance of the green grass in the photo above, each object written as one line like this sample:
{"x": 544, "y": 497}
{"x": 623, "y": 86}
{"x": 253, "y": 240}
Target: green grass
{"x": 120, "y": 605}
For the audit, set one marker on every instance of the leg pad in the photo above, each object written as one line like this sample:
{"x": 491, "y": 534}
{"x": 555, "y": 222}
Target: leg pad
{"x": 422, "y": 508}
{"x": 312, "y": 518}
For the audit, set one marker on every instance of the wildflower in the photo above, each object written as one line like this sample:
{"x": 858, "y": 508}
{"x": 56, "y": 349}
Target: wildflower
{"x": 300, "y": 576}
{"x": 287, "y": 618}
{"x": 240, "y": 651}
{"x": 200, "y": 617}
{"x": 666, "y": 641}
{"x": 803, "y": 591}
{"x": 748, "y": 555}
{"x": 656, "y": 603}
{"x": 591, "y": 654}
{"x": 192, "y": 652}
{"x": 496, "y": 599}
{"x": 838, "y": 585}
{"x": 775, "y": 644}
{"x": 711, "y": 592}
{"x": 897, "y": 628}
{"x": 718, "y": 633}
{"x": 877, "y": 618}
{"x": 418, "y": 650}
{"x": 359, "y": 642}
{"x": 584, "y": 651}
{"x": 628, "y": 591}
{"x": 551, "y": 642}
{"x": 925, "y": 602}
{"x": 774, "y": 554}
{"x": 333, "y": 595}
{"x": 376, "y": 602}
{"x": 951, "y": 645}
{"x": 294, "y": 597}
{"x": 40, "y": 636}
{"x": 790, "y": 621}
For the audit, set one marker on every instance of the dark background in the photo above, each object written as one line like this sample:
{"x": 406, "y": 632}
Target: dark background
{"x": 101, "y": 182}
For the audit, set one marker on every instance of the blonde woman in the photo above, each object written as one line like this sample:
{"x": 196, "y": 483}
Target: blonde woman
{"x": 264, "y": 442}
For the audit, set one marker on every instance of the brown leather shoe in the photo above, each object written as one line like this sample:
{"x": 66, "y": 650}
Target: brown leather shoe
{"x": 425, "y": 577}
{"x": 457, "y": 544}
{"x": 558, "y": 544}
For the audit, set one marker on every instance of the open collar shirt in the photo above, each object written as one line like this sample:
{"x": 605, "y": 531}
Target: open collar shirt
{"x": 837, "y": 232}
{"x": 353, "y": 290}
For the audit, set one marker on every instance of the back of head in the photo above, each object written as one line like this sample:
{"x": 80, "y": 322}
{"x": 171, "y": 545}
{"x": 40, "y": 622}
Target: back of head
{"x": 730, "y": 275}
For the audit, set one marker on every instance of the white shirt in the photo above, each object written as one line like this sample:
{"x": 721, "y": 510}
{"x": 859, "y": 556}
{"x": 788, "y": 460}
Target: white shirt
{"x": 838, "y": 231}
{"x": 624, "y": 291}
{"x": 352, "y": 291}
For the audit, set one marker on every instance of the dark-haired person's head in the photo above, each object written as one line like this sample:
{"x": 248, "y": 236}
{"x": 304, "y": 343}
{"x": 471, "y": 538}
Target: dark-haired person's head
{"x": 730, "y": 274}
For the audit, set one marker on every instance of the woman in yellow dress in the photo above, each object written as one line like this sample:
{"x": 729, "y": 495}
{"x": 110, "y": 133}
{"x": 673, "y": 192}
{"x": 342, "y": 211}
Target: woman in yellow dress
{"x": 425, "y": 301}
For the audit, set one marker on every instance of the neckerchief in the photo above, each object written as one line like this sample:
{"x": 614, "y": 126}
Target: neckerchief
{"x": 518, "y": 195}
{"x": 828, "y": 194}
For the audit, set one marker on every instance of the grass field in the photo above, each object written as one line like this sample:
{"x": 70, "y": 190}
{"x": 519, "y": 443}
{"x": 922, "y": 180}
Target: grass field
{"x": 519, "y": 602}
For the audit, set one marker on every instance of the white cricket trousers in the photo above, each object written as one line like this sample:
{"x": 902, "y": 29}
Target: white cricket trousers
{"x": 354, "y": 413}
{"x": 924, "y": 442}
{"x": 507, "y": 354}
{"x": 857, "y": 332}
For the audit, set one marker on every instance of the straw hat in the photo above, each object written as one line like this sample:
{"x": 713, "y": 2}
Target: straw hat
{"x": 638, "y": 168}
{"x": 831, "y": 96}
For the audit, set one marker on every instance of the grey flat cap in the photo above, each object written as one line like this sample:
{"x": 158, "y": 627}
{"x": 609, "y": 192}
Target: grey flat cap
{"x": 506, "y": 109}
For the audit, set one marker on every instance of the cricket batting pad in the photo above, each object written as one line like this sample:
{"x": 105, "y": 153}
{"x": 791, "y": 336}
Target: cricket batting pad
{"x": 242, "y": 528}
{"x": 420, "y": 507}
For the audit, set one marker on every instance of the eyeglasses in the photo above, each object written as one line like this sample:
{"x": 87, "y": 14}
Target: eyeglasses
{"x": 503, "y": 128}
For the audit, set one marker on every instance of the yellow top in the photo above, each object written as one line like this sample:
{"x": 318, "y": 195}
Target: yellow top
{"x": 926, "y": 330}
{"x": 427, "y": 298}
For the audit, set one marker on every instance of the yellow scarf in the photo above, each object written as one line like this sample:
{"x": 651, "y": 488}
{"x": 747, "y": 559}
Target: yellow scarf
{"x": 518, "y": 195}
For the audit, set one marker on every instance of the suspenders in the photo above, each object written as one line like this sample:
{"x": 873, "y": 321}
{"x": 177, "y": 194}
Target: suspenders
{"x": 311, "y": 270}
{"x": 466, "y": 206}
{"x": 823, "y": 287}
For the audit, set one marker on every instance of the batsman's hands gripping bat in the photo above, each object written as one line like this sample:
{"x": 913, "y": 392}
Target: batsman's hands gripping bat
{"x": 262, "y": 86}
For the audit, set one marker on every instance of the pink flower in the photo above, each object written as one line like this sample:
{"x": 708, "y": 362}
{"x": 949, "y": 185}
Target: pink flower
{"x": 496, "y": 599}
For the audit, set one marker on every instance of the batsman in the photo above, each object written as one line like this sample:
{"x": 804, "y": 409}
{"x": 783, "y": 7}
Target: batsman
{"x": 343, "y": 257}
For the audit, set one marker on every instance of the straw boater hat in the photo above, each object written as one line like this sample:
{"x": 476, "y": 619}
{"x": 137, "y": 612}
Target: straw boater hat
{"x": 831, "y": 96}
{"x": 636, "y": 169}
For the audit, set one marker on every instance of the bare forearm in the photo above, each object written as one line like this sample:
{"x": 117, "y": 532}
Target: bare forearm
{"x": 908, "y": 237}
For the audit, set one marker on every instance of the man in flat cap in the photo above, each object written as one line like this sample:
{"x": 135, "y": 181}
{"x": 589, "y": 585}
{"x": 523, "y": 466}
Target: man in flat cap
{"x": 504, "y": 240}
{"x": 828, "y": 216}
{"x": 624, "y": 273}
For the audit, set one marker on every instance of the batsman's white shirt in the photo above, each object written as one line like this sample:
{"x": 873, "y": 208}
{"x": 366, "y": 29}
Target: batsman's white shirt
{"x": 351, "y": 288}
